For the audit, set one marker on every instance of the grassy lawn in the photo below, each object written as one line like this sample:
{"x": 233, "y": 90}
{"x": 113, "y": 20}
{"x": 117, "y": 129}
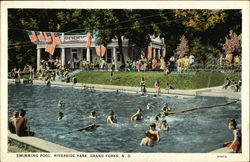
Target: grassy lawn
{"x": 178, "y": 81}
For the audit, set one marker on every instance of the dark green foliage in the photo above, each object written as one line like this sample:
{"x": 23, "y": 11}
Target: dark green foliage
{"x": 204, "y": 29}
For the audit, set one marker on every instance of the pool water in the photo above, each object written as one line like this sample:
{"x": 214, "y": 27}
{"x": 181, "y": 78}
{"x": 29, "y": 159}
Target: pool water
{"x": 191, "y": 132}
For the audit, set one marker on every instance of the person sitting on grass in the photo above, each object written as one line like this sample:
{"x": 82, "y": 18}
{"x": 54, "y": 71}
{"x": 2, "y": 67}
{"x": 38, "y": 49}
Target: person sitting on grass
{"x": 93, "y": 114}
{"x": 164, "y": 125}
{"x": 111, "y": 118}
{"x": 22, "y": 126}
{"x": 138, "y": 115}
{"x": 235, "y": 145}
{"x": 152, "y": 136}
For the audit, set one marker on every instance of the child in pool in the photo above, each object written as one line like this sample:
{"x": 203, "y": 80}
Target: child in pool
{"x": 149, "y": 106}
{"x": 164, "y": 125}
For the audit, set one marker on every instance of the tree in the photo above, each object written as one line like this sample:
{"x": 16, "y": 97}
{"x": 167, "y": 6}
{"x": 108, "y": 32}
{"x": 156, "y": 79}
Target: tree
{"x": 182, "y": 49}
{"x": 232, "y": 44}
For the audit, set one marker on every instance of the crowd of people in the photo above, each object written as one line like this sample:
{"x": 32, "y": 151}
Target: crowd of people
{"x": 232, "y": 85}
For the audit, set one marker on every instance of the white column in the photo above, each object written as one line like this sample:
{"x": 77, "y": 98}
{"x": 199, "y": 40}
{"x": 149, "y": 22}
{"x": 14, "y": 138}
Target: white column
{"x": 38, "y": 58}
{"x": 159, "y": 53}
{"x": 62, "y": 38}
{"x": 154, "y": 53}
{"x": 63, "y": 57}
{"x": 88, "y": 54}
{"x": 115, "y": 58}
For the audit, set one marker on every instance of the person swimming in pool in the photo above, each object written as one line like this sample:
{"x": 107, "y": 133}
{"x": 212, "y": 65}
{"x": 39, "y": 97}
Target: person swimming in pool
{"x": 149, "y": 106}
{"x": 165, "y": 108}
{"x": 138, "y": 115}
{"x": 93, "y": 114}
{"x": 59, "y": 115}
{"x": 152, "y": 136}
{"x": 111, "y": 118}
{"x": 164, "y": 125}
{"x": 61, "y": 103}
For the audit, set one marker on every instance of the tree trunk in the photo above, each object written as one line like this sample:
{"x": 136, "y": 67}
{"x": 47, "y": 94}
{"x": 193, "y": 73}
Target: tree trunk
{"x": 120, "y": 49}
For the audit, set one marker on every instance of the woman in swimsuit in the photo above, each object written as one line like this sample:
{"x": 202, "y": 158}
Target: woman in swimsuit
{"x": 235, "y": 145}
{"x": 151, "y": 136}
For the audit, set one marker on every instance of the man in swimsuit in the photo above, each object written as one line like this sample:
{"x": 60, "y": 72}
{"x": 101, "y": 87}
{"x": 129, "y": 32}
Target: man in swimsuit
{"x": 111, "y": 118}
{"x": 22, "y": 127}
{"x": 235, "y": 145}
{"x": 151, "y": 136}
{"x": 12, "y": 122}
{"x": 138, "y": 115}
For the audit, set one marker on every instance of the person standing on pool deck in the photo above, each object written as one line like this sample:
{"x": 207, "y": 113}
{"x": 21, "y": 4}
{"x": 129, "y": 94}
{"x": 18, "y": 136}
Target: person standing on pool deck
{"x": 74, "y": 80}
{"x": 143, "y": 86}
{"x": 138, "y": 115}
{"x": 151, "y": 136}
{"x": 157, "y": 87}
{"x": 236, "y": 143}
{"x": 111, "y": 118}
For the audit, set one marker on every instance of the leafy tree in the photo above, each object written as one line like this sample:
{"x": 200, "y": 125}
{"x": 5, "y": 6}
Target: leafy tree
{"x": 232, "y": 44}
{"x": 182, "y": 49}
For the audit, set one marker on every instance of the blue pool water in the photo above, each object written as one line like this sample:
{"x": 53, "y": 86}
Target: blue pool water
{"x": 191, "y": 132}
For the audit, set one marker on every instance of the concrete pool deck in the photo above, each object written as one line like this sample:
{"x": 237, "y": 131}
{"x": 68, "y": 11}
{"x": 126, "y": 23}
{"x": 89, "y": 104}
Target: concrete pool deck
{"x": 212, "y": 91}
{"x": 39, "y": 144}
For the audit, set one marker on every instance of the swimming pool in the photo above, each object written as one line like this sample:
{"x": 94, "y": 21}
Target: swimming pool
{"x": 191, "y": 132}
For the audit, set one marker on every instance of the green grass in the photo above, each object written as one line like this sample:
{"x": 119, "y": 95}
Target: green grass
{"x": 178, "y": 81}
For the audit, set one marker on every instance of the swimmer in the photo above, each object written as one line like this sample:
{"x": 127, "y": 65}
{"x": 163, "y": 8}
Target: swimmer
{"x": 138, "y": 115}
{"x": 111, "y": 118}
{"x": 164, "y": 125}
{"x": 151, "y": 136}
{"x": 163, "y": 114}
{"x": 149, "y": 106}
{"x": 235, "y": 145}
{"x": 59, "y": 115}
{"x": 61, "y": 104}
{"x": 92, "y": 114}
{"x": 165, "y": 108}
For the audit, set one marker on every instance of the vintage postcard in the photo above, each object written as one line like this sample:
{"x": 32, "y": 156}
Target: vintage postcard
{"x": 124, "y": 81}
